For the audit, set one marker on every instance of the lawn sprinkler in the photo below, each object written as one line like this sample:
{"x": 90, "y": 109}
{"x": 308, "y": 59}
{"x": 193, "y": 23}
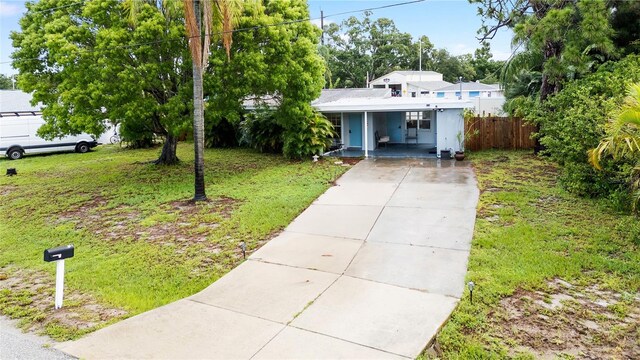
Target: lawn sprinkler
{"x": 471, "y": 285}
{"x": 243, "y": 247}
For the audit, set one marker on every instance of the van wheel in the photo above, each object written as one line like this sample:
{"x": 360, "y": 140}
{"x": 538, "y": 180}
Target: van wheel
{"x": 82, "y": 148}
{"x": 15, "y": 153}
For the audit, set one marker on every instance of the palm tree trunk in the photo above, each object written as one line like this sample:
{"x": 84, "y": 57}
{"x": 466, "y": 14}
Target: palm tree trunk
{"x": 198, "y": 120}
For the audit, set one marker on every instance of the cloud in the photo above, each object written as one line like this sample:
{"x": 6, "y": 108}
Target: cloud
{"x": 461, "y": 49}
{"x": 501, "y": 55}
{"x": 9, "y": 10}
{"x": 316, "y": 22}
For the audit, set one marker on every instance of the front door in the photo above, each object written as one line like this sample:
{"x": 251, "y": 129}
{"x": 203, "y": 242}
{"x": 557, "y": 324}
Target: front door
{"x": 355, "y": 130}
{"x": 394, "y": 127}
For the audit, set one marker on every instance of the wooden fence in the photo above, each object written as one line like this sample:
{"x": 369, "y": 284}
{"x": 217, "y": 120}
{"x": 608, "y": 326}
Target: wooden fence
{"x": 498, "y": 133}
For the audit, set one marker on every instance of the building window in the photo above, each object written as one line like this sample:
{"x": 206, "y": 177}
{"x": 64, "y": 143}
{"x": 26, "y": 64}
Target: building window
{"x": 440, "y": 94}
{"x": 425, "y": 93}
{"x": 336, "y": 121}
{"x": 457, "y": 94}
{"x": 474, "y": 93}
{"x": 419, "y": 119}
{"x": 413, "y": 94}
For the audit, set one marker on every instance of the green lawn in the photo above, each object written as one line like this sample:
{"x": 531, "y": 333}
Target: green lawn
{"x": 140, "y": 243}
{"x": 555, "y": 275}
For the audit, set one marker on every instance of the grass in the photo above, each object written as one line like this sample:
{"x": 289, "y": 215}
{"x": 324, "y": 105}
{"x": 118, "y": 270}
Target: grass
{"x": 529, "y": 232}
{"x": 140, "y": 243}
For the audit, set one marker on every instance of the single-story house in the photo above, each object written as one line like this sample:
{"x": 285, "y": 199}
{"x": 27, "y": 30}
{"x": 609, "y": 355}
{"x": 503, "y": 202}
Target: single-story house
{"x": 362, "y": 117}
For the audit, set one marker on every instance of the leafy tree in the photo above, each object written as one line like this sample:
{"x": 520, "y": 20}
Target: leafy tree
{"x": 623, "y": 139}
{"x": 279, "y": 62}
{"x": 361, "y": 46}
{"x": 101, "y": 61}
{"x": 572, "y": 36}
{"x": 5, "y": 82}
{"x": 452, "y": 67}
{"x": 625, "y": 21}
{"x": 572, "y": 122}
{"x": 486, "y": 69}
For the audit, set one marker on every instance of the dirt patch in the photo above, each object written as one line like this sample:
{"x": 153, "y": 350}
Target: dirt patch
{"x": 7, "y": 189}
{"x": 28, "y": 295}
{"x": 350, "y": 161}
{"x": 179, "y": 223}
{"x": 584, "y": 322}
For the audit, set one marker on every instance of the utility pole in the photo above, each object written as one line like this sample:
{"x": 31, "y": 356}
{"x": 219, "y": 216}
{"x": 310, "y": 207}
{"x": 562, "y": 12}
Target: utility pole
{"x": 420, "y": 57}
{"x": 322, "y": 26}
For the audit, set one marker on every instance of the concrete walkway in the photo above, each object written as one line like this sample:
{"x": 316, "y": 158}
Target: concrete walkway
{"x": 371, "y": 270}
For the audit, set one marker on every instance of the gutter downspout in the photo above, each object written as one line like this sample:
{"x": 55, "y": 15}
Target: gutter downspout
{"x": 366, "y": 136}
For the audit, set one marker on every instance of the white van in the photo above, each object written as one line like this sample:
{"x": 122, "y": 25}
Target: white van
{"x": 18, "y": 136}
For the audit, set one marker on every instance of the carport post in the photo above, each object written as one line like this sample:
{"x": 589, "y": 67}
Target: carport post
{"x": 366, "y": 136}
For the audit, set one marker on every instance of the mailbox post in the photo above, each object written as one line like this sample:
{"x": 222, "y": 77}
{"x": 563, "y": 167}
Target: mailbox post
{"x": 58, "y": 254}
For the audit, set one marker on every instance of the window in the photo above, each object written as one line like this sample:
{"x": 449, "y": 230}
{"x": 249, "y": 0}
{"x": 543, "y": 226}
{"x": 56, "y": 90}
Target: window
{"x": 413, "y": 94}
{"x": 419, "y": 119}
{"x": 474, "y": 93}
{"x": 336, "y": 121}
{"x": 458, "y": 94}
{"x": 425, "y": 93}
{"x": 440, "y": 94}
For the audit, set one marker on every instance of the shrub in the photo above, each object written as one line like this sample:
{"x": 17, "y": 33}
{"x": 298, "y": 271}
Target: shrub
{"x": 572, "y": 122}
{"x": 261, "y": 131}
{"x": 310, "y": 137}
{"x": 136, "y": 134}
{"x": 221, "y": 133}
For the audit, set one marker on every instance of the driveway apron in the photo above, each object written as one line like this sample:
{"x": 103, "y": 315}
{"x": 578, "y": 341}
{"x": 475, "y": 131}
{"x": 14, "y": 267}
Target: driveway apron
{"x": 371, "y": 270}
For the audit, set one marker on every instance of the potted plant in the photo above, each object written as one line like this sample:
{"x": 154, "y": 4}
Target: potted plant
{"x": 460, "y": 153}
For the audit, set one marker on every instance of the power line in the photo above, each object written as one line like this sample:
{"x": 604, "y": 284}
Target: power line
{"x": 240, "y": 29}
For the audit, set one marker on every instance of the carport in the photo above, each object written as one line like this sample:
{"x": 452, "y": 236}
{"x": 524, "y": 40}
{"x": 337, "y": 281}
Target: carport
{"x": 412, "y": 127}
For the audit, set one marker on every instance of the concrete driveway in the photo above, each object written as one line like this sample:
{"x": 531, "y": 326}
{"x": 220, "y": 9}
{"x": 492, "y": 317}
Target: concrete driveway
{"x": 370, "y": 270}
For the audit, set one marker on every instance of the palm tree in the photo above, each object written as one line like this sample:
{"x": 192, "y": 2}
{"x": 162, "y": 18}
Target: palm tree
{"x": 623, "y": 138}
{"x": 202, "y": 17}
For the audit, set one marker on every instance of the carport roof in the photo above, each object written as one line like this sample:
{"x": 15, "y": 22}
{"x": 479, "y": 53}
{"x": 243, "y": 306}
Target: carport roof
{"x": 355, "y": 100}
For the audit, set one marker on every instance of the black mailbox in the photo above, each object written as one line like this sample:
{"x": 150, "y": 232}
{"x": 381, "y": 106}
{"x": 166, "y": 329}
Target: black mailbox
{"x": 58, "y": 253}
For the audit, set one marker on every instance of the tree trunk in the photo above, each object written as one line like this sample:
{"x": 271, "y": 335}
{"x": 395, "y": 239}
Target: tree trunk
{"x": 198, "y": 133}
{"x": 198, "y": 110}
{"x": 551, "y": 49}
{"x": 168, "y": 155}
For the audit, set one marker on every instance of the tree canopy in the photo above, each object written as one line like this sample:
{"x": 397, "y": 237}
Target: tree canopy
{"x": 98, "y": 62}
{"x": 280, "y": 63}
{"x": 5, "y": 82}
{"x": 358, "y": 47}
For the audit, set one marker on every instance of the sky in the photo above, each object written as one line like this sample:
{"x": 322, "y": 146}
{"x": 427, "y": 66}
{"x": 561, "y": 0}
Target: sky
{"x": 449, "y": 24}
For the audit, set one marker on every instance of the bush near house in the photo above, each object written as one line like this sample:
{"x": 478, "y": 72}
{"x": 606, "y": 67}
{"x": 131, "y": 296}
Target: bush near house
{"x": 572, "y": 122}
{"x": 262, "y": 130}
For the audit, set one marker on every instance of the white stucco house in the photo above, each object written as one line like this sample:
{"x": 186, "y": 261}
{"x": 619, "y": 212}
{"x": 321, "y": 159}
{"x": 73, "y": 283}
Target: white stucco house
{"x": 362, "y": 117}
{"x": 410, "y": 83}
{"x": 487, "y": 99}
